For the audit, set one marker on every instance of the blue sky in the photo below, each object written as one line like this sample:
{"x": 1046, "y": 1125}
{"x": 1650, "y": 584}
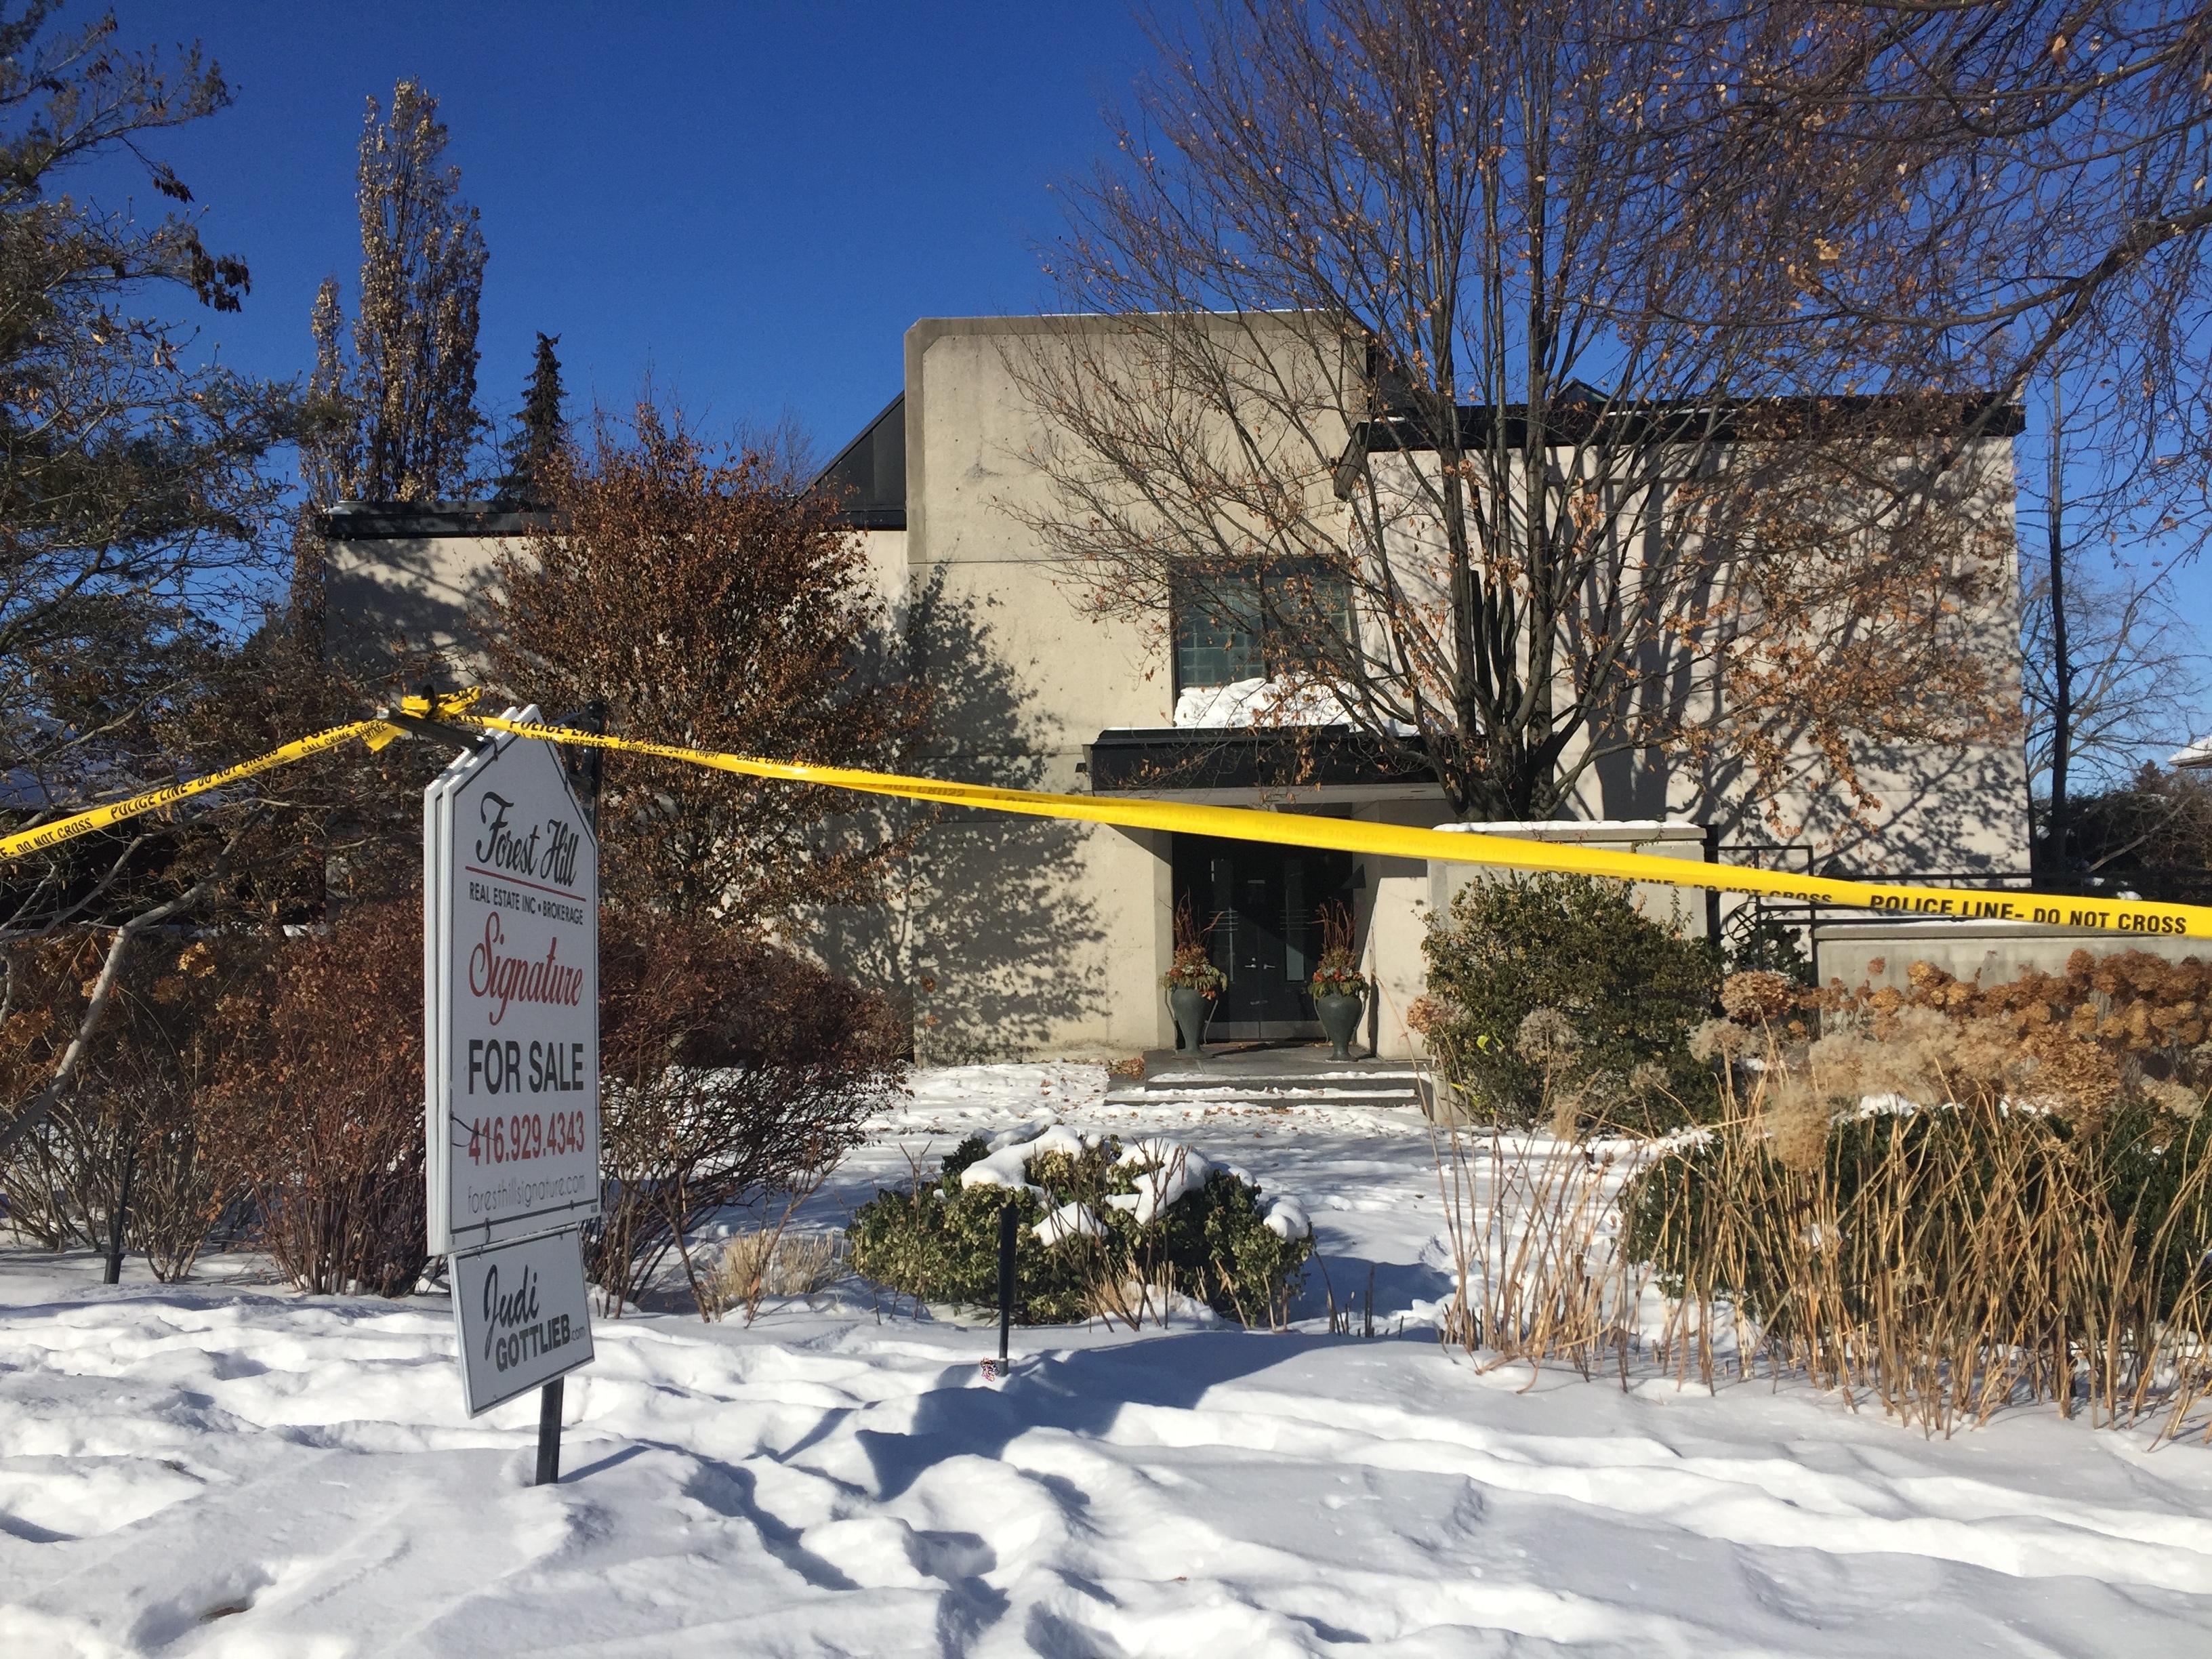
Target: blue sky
{"x": 750, "y": 201}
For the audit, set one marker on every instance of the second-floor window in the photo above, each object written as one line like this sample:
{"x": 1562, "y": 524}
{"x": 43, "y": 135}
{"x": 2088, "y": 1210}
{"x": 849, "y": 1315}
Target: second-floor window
{"x": 1239, "y": 622}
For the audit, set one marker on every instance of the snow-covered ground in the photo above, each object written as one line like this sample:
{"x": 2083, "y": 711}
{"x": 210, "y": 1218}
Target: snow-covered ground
{"x": 224, "y": 1467}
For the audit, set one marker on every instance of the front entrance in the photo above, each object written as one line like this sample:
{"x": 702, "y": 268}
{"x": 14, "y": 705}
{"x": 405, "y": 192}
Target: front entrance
{"x": 1264, "y": 902}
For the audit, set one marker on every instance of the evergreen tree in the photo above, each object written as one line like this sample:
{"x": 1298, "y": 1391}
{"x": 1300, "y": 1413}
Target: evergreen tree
{"x": 542, "y": 435}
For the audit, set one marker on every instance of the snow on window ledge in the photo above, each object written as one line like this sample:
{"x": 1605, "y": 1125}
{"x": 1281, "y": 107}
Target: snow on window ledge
{"x": 1257, "y": 702}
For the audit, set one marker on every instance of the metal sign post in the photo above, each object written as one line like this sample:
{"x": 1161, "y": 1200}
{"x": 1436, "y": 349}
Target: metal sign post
{"x": 1009, "y": 1232}
{"x": 511, "y": 954}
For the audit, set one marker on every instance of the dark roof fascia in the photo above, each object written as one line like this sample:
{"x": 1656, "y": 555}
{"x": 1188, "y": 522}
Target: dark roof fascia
{"x": 1702, "y": 421}
{"x": 882, "y": 515}
{"x": 1167, "y": 758}
{"x": 872, "y": 518}
{"x": 409, "y": 521}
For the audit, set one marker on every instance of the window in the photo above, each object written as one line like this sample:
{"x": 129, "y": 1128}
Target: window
{"x": 1217, "y": 631}
{"x": 1237, "y": 624}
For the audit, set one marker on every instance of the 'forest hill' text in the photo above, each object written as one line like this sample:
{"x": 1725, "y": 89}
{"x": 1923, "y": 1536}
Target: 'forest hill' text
{"x": 502, "y": 847}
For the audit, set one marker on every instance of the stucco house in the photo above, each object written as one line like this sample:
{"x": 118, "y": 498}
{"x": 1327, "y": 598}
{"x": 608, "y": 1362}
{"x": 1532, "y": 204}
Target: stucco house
{"x": 1035, "y": 936}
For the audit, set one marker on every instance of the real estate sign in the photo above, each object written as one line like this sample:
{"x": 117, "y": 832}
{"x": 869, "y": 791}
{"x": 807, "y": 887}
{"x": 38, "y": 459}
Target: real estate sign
{"x": 522, "y": 1317}
{"x": 511, "y": 954}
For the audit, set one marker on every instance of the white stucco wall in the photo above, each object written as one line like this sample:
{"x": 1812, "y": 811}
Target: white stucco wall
{"x": 1057, "y": 676}
{"x": 380, "y": 594}
{"x": 1080, "y": 930}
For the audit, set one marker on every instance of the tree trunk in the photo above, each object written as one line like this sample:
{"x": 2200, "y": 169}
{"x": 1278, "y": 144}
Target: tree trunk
{"x": 2061, "y": 705}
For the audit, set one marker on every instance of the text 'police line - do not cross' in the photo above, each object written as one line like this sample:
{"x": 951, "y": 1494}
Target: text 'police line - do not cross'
{"x": 511, "y": 1015}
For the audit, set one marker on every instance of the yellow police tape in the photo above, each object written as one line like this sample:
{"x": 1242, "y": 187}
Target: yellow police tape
{"x": 153, "y": 800}
{"x": 1231, "y": 822}
{"x": 1457, "y": 847}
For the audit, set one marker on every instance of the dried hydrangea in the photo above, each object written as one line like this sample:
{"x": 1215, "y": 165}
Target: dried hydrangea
{"x": 1546, "y": 1037}
{"x": 1759, "y": 998}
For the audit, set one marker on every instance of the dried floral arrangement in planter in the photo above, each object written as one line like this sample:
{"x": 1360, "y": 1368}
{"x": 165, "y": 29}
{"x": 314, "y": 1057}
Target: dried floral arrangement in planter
{"x": 1194, "y": 969}
{"x": 1338, "y": 974}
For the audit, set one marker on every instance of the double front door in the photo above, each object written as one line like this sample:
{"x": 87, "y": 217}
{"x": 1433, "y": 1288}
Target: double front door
{"x": 1264, "y": 905}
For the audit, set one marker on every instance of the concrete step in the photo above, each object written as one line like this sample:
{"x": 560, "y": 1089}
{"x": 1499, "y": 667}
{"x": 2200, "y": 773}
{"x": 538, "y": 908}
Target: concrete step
{"x": 1270, "y": 1074}
{"x": 1242, "y": 1091}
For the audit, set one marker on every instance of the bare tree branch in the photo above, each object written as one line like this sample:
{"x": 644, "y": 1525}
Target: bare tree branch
{"x": 88, "y": 1028}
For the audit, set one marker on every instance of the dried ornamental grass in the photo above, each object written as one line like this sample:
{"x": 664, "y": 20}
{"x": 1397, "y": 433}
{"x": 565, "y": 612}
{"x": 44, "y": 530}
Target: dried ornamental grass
{"x": 763, "y": 1262}
{"x": 1530, "y": 1225}
{"x": 1945, "y": 1200}
{"x": 2027, "y": 1219}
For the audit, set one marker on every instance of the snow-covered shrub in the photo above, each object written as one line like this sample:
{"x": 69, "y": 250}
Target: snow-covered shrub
{"x": 1095, "y": 1216}
{"x": 1631, "y": 990}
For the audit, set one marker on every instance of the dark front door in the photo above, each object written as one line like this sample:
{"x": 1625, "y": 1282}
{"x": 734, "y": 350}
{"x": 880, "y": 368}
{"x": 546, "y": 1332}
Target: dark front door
{"x": 1264, "y": 904}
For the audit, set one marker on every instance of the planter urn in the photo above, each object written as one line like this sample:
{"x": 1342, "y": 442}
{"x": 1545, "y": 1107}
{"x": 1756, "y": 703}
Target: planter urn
{"x": 1192, "y": 1009}
{"x": 1340, "y": 1017}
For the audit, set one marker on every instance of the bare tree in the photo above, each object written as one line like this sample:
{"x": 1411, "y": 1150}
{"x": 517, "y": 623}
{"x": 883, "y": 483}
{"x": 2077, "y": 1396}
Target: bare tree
{"x": 1534, "y": 383}
{"x": 2059, "y": 241}
{"x": 2136, "y": 679}
{"x": 2111, "y": 668}
{"x": 411, "y": 385}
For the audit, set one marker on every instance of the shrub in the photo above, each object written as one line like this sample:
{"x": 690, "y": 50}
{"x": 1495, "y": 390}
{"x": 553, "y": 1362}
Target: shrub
{"x": 316, "y": 1107}
{"x": 1630, "y": 991}
{"x": 2140, "y": 1010}
{"x": 1100, "y": 1225}
{"x": 731, "y": 1070}
{"x": 131, "y": 1120}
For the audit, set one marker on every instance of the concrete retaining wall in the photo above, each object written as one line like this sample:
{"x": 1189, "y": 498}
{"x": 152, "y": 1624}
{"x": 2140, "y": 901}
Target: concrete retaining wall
{"x": 1989, "y": 951}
